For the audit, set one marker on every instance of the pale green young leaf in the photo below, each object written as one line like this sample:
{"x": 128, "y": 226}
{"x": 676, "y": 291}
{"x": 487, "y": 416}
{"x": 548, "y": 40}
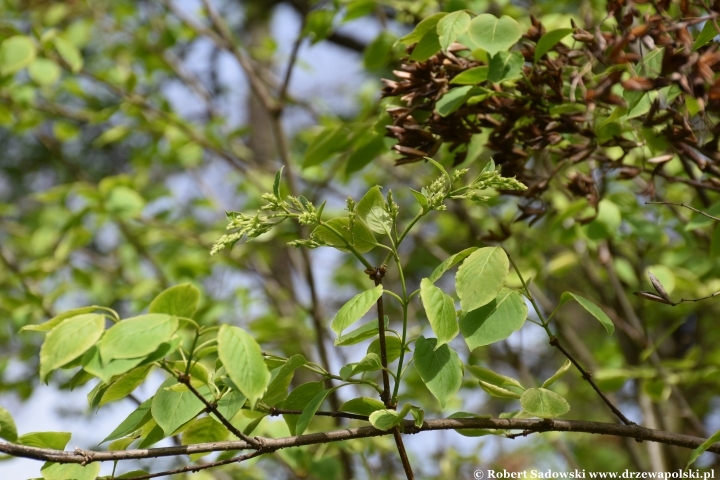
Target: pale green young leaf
{"x": 488, "y": 376}
{"x": 139, "y": 417}
{"x": 74, "y": 471}
{"x": 708, "y": 32}
{"x": 494, "y": 34}
{"x": 16, "y": 52}
{"x": 471, "y": 432}
{"x": 120, "y": 444}
{"x": 172, "y": 409}
{"x": 136, "y": 337}
{"x": 298, "y": 399}
{"x": 355, "y": 309}
{"x": 591, "y": 308}
{"x": 372, "y": 210}
{"x": 428, "y": 46}
{"x": 124, "y": 386}
{"x": 369, "y": 363}
{"x": 179, "y": 300}
{"x": 203, "y": 430}
{"x": 385, "y": 419}
{"x": 549, "y": 40}
{"x": 362, "y": 406}
{"x": 58, "y": 319}
{"x": 452, "y": 100}
{"x": 309, "y": 411}
{"x": 8, "y": 431}
{"x": 369, "y": 330}
{"x": 557, "y": 375}
{"x": 230, "y": 404}
{"x": 440, "y": 311}
{"x": 93, "y": 364}
{"x": 496, "y": 391}
{"x": 70, "y": 340}
{"x": 52, "y": 440}
{"x": 449, "y": 263}
{"x": 242, "y": 357}
{"x": 69, "y": 53}
{"x": 695, "y": 454}
{"x": 44, "y": 72}
{"x": 495, "y": 321}
{"x": 471, "y": 76}
{"x": 440, "y": 369}
{"x": 480, "y": 277}
{"x": 362, "y": 238}
{"x": 278, "y": 388}
{"x": 152, "y": 436}
{"x": 505, "y": 66}
{"x": 451, "y": 26}
{"x": 426, "y": 25}
{"x": 543, "y": 403}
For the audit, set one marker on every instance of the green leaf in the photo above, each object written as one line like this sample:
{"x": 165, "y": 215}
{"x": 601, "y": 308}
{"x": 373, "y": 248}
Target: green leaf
{"x": 139, "y": 417}
{"x": 701, "y": 221}
{"x": 617, "y": 113}
{"x": 278, "y": 388}
{"x": 44, "y": 72}
{"x": 505, "y": 66}
{"x": 392, "y": 347}
{"x": 52, "y": 440}
{"x": 708, "y": 32}
{"x": 362, "y": 238}
{"x": 557, "y": 375}
{"x": 715, "y": 243}
{"x": 328, "y": 142}
{"x": 379, "y": 52}
{"x": 318, "y": 25}
{"x": 370, "y": 363}
{"x": 365, "y": 152}
{"x": 355, "y": 309}
{"x": 203, "y": 430}
{"x": 242, "y": 357}
{"x": 606, "y": 223}
{"x": 230, "y": 404}
{"x": 481, "y": 276}
{"x": 58, "y": 319}
{"x": 180, "y": 300}
{"x": 75, "y": 471}
{"x": 449, "y": 263}
{"x": 496, "y": 391}
{"x": 372, "y": 210}
{"x": 452, "y": 100}
{"x": 420, "y": 197}
{"x": 70, "y": 340}
{"x": 153, "y": 435}
{"x": 8, "y": 431}
{"x": 451, "y": 26}
{"x": 549, "y": 40}
{"x": 369, "y": 330}
{"x": 695, "y": 454}
{"x": 428, "y": 46}
{"x": 362, "y": 406}
{"x": 171, "y": 409}
{"x": 593, "y": 309}
{"x": 488, "y": 376}
{"x": 386, "y": 419}
{"x": 309, "y": 411}
{"x": 651, "y": 64}
{"x": 298, "y": 399}
{"x": 136, "y": 337}
{"x": 122, "y": 201}
{"x": 426, "y": 25}
{"x": 276, "y": 183}
{"x": 93, "y": 364}
{"x": 440, "y": 311}
{"x": 69, "y": 53}
{"x": 16, "y": 52}
{"x": 493, "y": 34}
{"x": 440, "y": 369}
{"x": 494, "y": 321}
{"x": 471, "y": 432}
{"x": 472, "y": 76}
{"x": 544, "y": 403}
{"x": 124, "y": 386}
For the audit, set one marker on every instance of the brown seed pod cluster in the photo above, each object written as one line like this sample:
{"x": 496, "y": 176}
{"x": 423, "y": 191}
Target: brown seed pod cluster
{"x": 561, "y": 111}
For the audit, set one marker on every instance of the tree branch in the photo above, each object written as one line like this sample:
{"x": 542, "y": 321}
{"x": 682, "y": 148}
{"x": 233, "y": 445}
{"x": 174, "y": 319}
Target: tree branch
{"x": 531, "y": 425}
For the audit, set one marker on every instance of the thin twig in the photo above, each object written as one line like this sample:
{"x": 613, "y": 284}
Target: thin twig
{"x": 403, "y": 454}
{"x": 185, "y": 380}
{"x": 353, "y": 416}
{"x": 290, "y": 67}
{"x": 685, "y": 206}
{"x": 205, "y": 466}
